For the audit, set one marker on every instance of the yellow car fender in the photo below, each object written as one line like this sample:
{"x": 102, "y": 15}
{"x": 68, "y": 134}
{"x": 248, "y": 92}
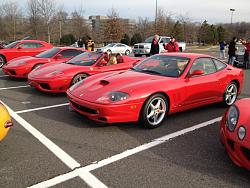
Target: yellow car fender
{"x": 5, "y": 122}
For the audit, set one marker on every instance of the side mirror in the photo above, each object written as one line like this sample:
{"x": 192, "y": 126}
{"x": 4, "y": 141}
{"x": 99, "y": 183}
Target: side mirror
{"x": 19, "y": 47}
{"x": 58, "y": 56}
{"x": 196, "y": 73}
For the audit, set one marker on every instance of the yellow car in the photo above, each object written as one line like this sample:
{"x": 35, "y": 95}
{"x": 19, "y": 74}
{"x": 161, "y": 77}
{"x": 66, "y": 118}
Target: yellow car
{"x": 5, "y": 121}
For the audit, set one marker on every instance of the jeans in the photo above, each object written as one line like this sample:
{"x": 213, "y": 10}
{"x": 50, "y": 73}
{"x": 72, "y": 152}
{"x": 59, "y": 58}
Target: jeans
{"x": 231, "y": 60}
{"x": 222, "y": 54}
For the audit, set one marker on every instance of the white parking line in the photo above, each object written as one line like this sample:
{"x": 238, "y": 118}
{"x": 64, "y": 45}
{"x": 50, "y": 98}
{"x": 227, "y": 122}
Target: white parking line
{"x": 4, "y": 76}
{"x": 16, "y": 87}
{"x": 90, "y": 179}
{"x": 41, "y": 108}
{"x": 112, "y": 159}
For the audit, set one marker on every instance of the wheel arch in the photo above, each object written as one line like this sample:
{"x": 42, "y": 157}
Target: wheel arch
{"x": 76, "y": 75}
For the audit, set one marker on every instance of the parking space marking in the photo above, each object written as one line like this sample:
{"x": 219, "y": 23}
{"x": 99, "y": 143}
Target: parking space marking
{"x": 4, "y": 76}
{"x": 86, "y": 176}
{"x": 16, "y": 87}
{"x": 41, "y": 108}
{"x": 125, "y": 154}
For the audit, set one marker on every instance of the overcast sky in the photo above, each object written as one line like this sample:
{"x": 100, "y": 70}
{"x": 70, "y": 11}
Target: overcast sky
{"x": 214, "y": 11}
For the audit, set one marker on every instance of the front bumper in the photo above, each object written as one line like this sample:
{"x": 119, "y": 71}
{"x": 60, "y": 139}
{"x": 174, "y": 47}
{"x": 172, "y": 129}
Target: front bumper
{"x": 107, "y": 113}
{"x": 238, "y": 151}
{"x": 141, "y": 51}
{"x": 18, "y": 72}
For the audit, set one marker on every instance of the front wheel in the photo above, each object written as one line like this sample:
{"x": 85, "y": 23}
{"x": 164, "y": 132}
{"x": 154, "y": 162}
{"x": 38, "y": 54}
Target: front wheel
{"x": 2, "y": 61}
{"x": 78, "y": 78}
{"x": 154, "y": 111}
{"x": 230, "y": 94}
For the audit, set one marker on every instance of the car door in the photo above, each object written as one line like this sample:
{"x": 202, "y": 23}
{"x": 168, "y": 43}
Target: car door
{"x": 29, "y": 49}
{"x": 202, "y": 89}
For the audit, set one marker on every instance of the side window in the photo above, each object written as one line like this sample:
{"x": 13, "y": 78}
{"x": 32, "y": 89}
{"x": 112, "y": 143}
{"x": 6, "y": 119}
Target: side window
{"x": 120, "y": 45}
{"x": 219, "y": 65}
{"x": 70, "y": 53}
{"x": 27, "y": 45}
{"x": 164, "y": 40}
{"x": 205, "y": 64}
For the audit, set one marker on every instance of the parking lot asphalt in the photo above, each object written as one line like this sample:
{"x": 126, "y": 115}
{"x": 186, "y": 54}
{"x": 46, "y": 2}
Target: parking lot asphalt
{"x": 195, "y": 159}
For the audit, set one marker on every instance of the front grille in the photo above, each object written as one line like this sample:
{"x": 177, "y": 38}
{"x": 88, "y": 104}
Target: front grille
{"x": 12, "y": 72}
{"x": 84, "y": 109}
{"x": 141, "y": 46}
{"x": 246, "y": 152}
{"x": 45, "y": 86}
{"x": 231, "y": 144}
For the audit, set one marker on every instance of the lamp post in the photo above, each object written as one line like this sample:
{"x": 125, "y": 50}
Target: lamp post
{"x": 156, "y": 12}
{"x": 232, "y": 11}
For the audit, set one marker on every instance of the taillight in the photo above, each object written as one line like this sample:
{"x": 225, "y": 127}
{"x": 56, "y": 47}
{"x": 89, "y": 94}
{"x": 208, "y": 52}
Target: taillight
{"x": 8, "y": 124}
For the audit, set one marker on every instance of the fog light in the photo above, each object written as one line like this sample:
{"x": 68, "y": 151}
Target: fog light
{"x": 241, "y": 132}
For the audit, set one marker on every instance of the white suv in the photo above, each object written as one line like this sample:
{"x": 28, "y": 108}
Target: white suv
{"x": 144, "y": 48}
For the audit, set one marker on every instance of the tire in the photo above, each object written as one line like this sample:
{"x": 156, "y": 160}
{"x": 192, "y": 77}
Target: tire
{"x": 137, "y": 55}
{"x": 230, "y": 94}
{"x": 78, "y": 78}
{"x": 127, "y": 52}
{"x": 2, "y": 61}
{"x": 154, "y": 111}
{"x": 36, "y": 66}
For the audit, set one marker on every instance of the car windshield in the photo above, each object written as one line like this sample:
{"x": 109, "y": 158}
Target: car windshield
{"x": 149, "y": 39}
{"x": 85, "y": 59}
{"x": 111, "y": 45}
{"x": 170, "y": 66}
{"x": 11, "y": 45}
{"x": 48, "y": 53}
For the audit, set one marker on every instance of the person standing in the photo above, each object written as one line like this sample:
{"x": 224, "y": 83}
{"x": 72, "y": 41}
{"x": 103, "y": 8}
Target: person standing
{"x": 80, "y": 43}
{"x": 222, "y": 50}
{"x": 90, "y": 45}
{"x": 231, "y": 51}
{"x": 172, "y": 46}
{"x": 247, "y": 52}
{"x": 155, "y": 49}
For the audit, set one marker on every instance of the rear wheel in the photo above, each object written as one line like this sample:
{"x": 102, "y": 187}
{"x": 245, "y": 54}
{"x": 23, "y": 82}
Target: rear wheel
{"x": 2, "y": 61}
{"x": 78, "y": 78}
{"x": 154, "y": 111}
{"x": 230, "y": 94}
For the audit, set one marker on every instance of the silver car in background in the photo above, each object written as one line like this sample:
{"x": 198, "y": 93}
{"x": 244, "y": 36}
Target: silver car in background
{"x": 116, "y": 48}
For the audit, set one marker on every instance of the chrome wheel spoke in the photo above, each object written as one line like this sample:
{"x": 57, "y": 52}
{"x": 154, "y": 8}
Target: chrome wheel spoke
{"x": 150, "y": 114}
{"x": 158, "y": 104}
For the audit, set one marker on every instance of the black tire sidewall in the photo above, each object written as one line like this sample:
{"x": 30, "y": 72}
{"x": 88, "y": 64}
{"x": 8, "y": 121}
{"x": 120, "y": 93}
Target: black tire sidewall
{"x": 3, "y": 61}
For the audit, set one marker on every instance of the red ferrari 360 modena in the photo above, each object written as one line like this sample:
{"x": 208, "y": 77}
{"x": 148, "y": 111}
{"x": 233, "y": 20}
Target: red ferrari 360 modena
{"x": 22, "y": 66}
{"x": 22, "y": 48}
{"x": 234, "y": 132}
{"x": 159, "y": 85}
{"x": 57, "y": 78}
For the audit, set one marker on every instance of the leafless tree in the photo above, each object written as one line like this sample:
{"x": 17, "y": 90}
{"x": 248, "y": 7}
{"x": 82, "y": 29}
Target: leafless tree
{"x": 145, "y": 27}
{"x": 33, "y": 16}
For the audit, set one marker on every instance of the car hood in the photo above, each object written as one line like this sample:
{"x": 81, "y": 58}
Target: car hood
{"x": 50, "y": 70}
{"x": 128, "y": 81}
{"x": 28, "y": 60}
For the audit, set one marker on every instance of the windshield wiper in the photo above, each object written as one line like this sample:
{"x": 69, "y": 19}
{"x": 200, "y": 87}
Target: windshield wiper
{"x": 150, "y": 71}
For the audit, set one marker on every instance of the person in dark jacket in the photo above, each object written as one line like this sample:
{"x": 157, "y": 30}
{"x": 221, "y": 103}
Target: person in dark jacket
{"x": 80, "y": 43}
{"x": 231, "y": 51}
{"x": 155, "y": 49}
{"x": 246, "y": 43}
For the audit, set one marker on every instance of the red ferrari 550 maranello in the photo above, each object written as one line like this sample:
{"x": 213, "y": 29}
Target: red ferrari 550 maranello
{"x": 22, "y": 66}
{"x": 157, "y": 86}
{"x": 22, "y": 48}
{"x": 58, "y": 78}
{"x": 234, "y": 132}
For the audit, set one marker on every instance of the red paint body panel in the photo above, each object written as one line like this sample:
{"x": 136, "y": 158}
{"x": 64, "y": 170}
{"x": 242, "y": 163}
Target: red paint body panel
{"x": 60, "y": 83}
{"x": 237, "y": 155}
{"x": 182, "y": 92}
{"x": 11, "y": 53}
{"x": 13, "y": 69}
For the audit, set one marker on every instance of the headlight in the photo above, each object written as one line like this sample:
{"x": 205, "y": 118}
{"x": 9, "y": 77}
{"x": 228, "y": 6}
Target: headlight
{"x": 232, "y": 118}
{"x": 75, "y": 85}
{"x": 55, "y": 73}
{"x": 112, "y": 97}
{"x": 21, "y": 63}
{"x": 241, "y": 132}
{"x": 147, "y": 47}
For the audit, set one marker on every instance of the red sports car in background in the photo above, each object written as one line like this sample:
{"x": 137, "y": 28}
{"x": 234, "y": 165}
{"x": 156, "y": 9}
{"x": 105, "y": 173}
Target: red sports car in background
{"x": 59, "y": 77}
{"x": 158, "y": 86}
{"x": 235, "y": 132}
{"x": 22, "y": 66}
{"x": 22, "y": 48}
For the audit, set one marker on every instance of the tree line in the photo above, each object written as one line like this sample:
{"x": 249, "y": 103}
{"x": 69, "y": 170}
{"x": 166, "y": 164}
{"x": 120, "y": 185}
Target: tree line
{"x": 45, "y": 20}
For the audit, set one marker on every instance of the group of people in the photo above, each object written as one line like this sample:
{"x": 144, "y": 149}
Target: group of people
{"x": 172, "y": 46}
{"x": 232, "y": 49}
{"x": 110, "y": 59}
{"x": 89, "y": 44}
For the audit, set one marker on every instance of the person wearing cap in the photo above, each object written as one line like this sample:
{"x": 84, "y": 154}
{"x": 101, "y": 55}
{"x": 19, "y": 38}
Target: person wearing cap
{"x": 172, "y": 46}
{"x": 246, "y": 43}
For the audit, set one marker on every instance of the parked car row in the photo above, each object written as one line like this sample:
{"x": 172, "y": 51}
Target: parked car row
{"x": 140, "y": 90}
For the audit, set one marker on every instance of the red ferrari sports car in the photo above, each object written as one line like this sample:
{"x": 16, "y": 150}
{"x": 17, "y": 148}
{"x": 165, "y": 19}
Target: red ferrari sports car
{"x": 159, "y": 85}
{"x": 234, "y": 132}
{"x": 57, "y": 78}
{"x": 22, "y": 66}
{"x": 22, "y": 48}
